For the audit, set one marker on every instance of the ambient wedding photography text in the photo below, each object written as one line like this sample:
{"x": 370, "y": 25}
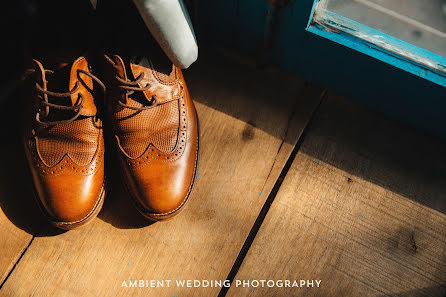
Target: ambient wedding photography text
{"x": 195, "y": 283}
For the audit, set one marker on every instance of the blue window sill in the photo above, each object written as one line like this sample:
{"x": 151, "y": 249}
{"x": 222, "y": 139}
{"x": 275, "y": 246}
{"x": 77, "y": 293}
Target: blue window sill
{"x": 338, "y": 32}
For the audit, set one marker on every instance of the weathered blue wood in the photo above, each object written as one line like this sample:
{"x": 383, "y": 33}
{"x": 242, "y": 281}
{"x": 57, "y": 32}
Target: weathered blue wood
{"x": 386, "y": 82}
{"x": 252, "y": 25}
{"x": 216, "y": 21}
{"x": 288, "y": 36}
{"x": 381, "y": 46}
{"x": 375, "y": 83}
{"x": 381, "y": 54}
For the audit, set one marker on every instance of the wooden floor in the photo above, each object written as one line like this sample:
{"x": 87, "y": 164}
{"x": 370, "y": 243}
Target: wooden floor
{"x": 294, "y": 183}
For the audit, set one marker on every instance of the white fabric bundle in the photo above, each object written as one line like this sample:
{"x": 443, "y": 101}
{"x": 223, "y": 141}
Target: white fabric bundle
{"x": 170, "y": 24}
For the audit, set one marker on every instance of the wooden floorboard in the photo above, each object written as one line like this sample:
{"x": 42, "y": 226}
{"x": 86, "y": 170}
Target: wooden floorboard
{"x": 13, "y": 240}
{"x": 18, "y": 218}
{"x": 362, "y": 209}
{"x": 12, "y": 244}
{"x": 250, "y": 121}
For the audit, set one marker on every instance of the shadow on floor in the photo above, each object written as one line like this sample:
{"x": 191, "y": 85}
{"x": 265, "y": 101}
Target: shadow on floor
{"x": 385, "y": 152}
{"x": 258, "y": 97}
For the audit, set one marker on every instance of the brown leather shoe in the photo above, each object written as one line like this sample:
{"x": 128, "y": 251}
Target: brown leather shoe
{"x": 155, "y": 125}
{"x": 64, "y": 144}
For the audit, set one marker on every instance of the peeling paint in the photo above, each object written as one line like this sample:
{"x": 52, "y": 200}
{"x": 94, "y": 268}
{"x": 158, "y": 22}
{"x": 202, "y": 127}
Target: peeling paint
{"x": 335, "y": 23}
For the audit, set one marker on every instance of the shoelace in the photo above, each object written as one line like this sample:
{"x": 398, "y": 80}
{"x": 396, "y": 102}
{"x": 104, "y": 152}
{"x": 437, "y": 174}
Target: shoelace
{"x": 130, "y": 87}
{"x": 44, "y": 99}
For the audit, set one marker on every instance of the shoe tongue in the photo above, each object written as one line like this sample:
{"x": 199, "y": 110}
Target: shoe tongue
{"x": 57, "y": 82}
{"x": 64, "y": 80}
{"x": 164, "y": 86}
{"x": 162, "y": 68}
{"x": 139, "y": 65}
{"x": 85, "y": 87}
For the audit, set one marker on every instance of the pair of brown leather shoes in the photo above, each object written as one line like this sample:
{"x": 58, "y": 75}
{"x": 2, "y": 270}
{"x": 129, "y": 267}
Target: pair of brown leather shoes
{"x": 154, "y": 123}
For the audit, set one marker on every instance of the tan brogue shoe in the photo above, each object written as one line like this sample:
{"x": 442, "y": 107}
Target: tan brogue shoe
{"x": 64, "y": 144}
{"x": 155, "y": 125}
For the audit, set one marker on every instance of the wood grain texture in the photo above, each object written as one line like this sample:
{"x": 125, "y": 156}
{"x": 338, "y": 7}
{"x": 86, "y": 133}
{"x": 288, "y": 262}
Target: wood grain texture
{"x": 362, "y": 209}
{"x": 12, "y": 244}
{"x": 244, "y": 125}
